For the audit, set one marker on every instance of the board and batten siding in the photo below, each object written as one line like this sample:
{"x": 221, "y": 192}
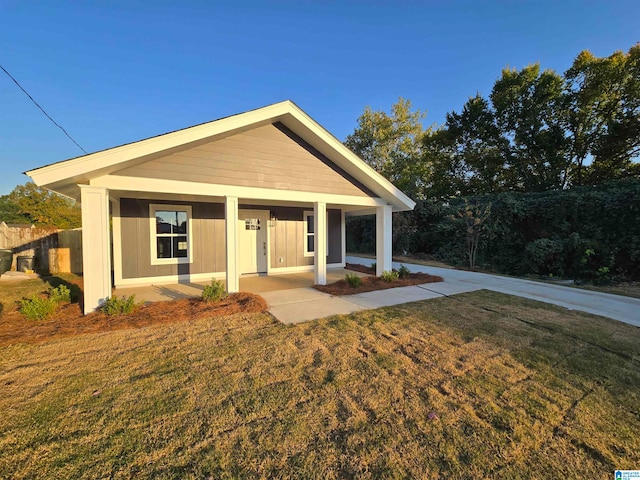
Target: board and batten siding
{"x": 270, "y": 156}
{"x": 207, "y": 235}
{"x": 287, "y": 238}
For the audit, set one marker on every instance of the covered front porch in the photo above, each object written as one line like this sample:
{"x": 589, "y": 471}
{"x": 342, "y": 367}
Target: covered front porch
{"x": 292, "y": 243}
{"x": 252, "y": 283}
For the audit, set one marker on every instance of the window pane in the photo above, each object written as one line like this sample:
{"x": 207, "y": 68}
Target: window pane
{"x": 310, "y": 245}
{"x": 164, "y": 221}
{"x": 179, "y": 247}
{"x": 310, "y": 226}
{"x": 181, "y": 223}
{"x": 164, "y": 247}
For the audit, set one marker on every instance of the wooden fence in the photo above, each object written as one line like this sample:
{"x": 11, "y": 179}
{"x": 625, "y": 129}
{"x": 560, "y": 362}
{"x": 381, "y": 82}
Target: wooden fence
{"x": 54, "y": 250}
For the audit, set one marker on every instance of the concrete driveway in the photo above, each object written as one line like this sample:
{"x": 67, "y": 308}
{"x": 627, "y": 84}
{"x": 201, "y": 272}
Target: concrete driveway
{"x": 624, "y": 309}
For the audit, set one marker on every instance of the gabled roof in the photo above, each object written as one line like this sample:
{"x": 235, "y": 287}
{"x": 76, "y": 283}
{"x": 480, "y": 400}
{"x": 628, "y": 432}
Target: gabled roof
{"x": 63, "y": 177}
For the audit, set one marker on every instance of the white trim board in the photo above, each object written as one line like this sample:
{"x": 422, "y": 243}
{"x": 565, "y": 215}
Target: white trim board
{"x": 122, "y": 183}
{"x": 153, "y": 246}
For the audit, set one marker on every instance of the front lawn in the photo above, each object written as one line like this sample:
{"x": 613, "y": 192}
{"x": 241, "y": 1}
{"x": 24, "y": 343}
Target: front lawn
{"x": 481, "y": 385}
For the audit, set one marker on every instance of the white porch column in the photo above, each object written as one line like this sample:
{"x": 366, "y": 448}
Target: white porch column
{"x": 96, "y": 253}
{"x": 383, "y": 239}
{"x": 231, "y": 236}
{"x": 320, "y": 242}
{"x": 343, "y": 232}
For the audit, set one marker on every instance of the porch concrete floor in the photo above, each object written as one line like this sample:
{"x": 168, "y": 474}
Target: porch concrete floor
{"x": 253, "y": 284}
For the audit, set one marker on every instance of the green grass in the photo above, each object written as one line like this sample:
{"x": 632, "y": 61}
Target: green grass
{"x": 343, "y": 397}
{"x": 13, "y": 291}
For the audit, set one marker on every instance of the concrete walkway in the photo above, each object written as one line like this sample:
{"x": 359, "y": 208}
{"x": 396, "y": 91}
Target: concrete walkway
{"x": 303, "y": 304}
{"x": 17, "y": 276}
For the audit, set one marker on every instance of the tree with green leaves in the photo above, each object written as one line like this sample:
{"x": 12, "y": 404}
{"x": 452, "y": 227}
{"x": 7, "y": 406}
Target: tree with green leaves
{"x": 391, "y": 144}
{"x": 10, "y": 212}
{"x": 529, "y": 107}
{"x": 603, "y": 115}
{"x": 45, "y": 208}
{"x": 476, "y": 152}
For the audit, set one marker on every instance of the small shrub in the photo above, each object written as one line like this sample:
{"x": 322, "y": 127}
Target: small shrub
{"x": 119, "y": 305}
{"x": 602, "y": 276}
{"x": 389, "y": 276}
{"x": 403, "y": 272}
{"x": 38, "y": 308}
{"x": 60, "y": 294}
{"x": 545, "y": 256}
{"x": 214, "y": 292}
{"x": 374, "y": 266}
{"x": 353, "y": 280}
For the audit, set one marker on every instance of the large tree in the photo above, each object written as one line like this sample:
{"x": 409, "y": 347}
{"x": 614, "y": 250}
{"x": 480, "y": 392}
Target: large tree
{"x": 529, "y": 107}
{"x": 10, "y": 212}
{"x": 391, "y": 144}
{"x": 468, "y": 156}
{"x": 603, "y": 115}
{"x": 536, "y": 131}
{"x": 45, "y": 208}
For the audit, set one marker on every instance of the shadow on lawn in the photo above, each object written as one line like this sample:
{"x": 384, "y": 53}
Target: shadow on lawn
{"x": 74, "y": 288}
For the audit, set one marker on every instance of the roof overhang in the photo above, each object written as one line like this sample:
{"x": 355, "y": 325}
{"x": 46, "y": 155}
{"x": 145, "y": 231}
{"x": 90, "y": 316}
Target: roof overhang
{"x": 65, "y": 176}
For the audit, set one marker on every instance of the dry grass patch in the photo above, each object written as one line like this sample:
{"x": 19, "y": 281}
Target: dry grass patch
{"x": 449, "y": 388}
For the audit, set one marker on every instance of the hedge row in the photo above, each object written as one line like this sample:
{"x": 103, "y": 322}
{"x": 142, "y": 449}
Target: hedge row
{"x": 585, "y": 233}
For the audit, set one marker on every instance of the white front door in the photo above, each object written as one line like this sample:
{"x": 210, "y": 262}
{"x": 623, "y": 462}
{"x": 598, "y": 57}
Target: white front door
{"x": 252, "y": 240}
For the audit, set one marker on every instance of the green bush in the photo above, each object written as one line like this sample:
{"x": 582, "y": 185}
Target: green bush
{"x": 214, "y": 292}
{"x": 545, "y": 256}
{"x": 40, "y": 308}
{"x": 60, "y": 294}
{"x": 37, "y": 307}
{"x": 403, "y": 272}
{"x": 353, "y": 280}
{"x": 389, "y": 276}
{"x": 374, "y": 266}
{"x": 536, "y": 232}
{"x": 119, "y": 305}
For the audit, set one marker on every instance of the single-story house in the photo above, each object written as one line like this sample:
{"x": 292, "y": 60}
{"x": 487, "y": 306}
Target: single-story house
{"x": 261, "y": 192}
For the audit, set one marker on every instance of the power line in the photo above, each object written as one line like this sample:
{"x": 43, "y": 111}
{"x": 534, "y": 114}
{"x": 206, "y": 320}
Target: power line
{"x": 42, "y": 109}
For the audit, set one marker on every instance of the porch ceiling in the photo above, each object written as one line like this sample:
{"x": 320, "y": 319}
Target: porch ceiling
{"x": 171, "y": 197}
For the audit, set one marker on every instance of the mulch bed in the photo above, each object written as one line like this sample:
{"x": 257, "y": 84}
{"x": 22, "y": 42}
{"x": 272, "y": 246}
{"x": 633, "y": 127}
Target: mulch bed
{"x": 372, "y": 283}
{"x": 68, "y": 320}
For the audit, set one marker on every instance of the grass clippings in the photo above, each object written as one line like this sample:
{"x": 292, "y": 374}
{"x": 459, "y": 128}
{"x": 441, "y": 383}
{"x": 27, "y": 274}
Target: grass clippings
{"x": 481, "y": 385}
{"x": 372, "y": 283}
{"x": 69, "y": 321}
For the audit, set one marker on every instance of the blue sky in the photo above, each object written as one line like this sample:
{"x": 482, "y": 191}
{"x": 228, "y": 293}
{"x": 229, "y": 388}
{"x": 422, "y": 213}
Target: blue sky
{"x": 115, "y": 72}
